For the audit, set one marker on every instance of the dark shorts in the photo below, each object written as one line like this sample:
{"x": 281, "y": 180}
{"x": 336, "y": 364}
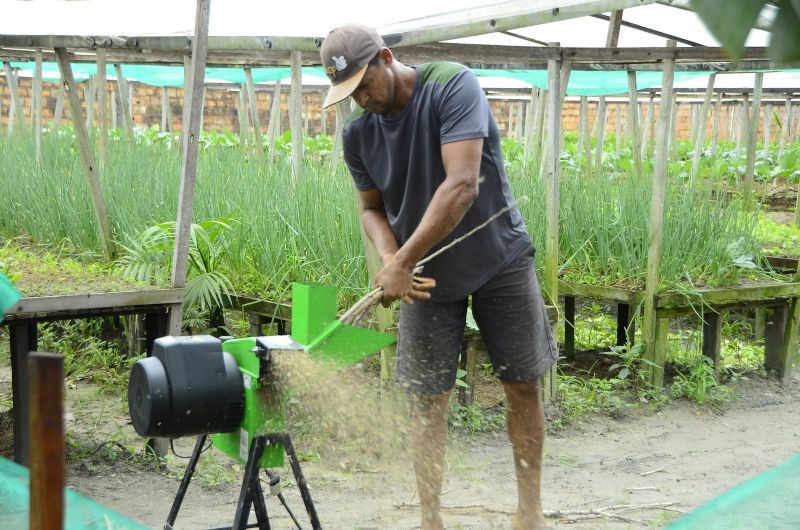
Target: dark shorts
{"x": 510, "y": 313}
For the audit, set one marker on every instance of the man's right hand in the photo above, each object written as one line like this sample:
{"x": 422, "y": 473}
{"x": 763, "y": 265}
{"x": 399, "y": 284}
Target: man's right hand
{"x": 399, "y": 283}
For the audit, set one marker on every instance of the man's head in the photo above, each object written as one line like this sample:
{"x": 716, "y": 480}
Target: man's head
{"x": 347, "y": 53}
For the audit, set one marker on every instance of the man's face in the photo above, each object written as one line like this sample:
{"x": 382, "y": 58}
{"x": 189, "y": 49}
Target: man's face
{"x": 375, "y": 93}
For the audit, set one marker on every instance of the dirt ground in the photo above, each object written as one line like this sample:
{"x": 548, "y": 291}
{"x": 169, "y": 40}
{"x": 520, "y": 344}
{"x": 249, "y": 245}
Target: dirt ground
{"x": 682, "y": 455}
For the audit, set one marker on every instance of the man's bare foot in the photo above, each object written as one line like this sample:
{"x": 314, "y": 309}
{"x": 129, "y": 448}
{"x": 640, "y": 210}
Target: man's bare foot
{"x": 432, "y": 522}
{"x": 529, "y": 522}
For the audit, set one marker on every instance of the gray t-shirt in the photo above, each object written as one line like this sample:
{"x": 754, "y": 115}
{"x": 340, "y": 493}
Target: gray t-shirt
{"x": 402, "y": 158}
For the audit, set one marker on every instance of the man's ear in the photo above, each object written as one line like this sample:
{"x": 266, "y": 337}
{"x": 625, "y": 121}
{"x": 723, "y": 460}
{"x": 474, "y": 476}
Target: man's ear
{"x": 386, "y": 56}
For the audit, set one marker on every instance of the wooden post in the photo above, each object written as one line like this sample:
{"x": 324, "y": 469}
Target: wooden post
{"x": 742, "y": 126}
{"x": 16, "y": 102}
{"x": 752, "y": 135}
{"x": 626, "y": 324}
{"x": 113, "y": 109}
{"x": 180, "y": 266}
{"x": 569, "y": 327}
{"x": 673, "y": 128}
{"x": 787, "y": 125}
{"x": 582, "y": 109}
{"x": 600, "y": 129}
{"x": 102, "y": 115}
{"x": 652, "y": 327}
{"x": 88, "y": 97}
{"x": 780, "y": 345}
{"x": 165, "y": 124}
{"x": 715, "y": 126}
{"x": 587, "y": 139}
{"x": 530, "y": 122}
{"x": 618, "y": 127}
{"x": 124, "y": 96}
{"x": 633, "y": 118}
{"x": 244, "y": 120}
{"x": 342, "y": 110}
{"x": 187, "y": 91}
{"x": 701, "y": 131}
{"x": 295, "y": 117}
{"x": 253, "y": 106}
{"x": 47, "y": 442}
{"x": 551, "y": 189}
{"x": 538, "y": 137}
{"x": 89, "y": 166}
{"x": 712, "y": 336}
{"x": 274, "y": 128}
{"x": 37, "y": 105}
{"x": 647, "y": 134}
{"x": 767, "y": 126}
{"x": 323, "y": 116}
{"x": 58, "y": 113}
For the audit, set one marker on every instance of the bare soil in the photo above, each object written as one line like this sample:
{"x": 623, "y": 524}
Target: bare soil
{"x": 684, "y": 455}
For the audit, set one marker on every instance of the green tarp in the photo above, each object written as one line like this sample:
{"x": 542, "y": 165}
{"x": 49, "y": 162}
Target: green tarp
{"x": 581, "y": 82}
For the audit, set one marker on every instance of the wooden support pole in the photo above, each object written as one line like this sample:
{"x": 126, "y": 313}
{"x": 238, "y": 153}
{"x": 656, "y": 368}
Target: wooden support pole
{"x": 244, "y": 120}
{"x": 626, "y": 324}
{"x": 742, "y": 127}
{"x": 715, "y": 126}
{"x": 787, "y": 125}
{"x": 124, "y": 98}
{"x": 712, "y": 337}
{"x": 342, "y": 110}
{"x": 274, "y": 127}
{"x": 58, "y": 112}
{"x": 633, "y": 127}
{"x": 539, "y": 126}
{"x": 569, "y": 327}
{"x": 113, "y": 109}
{"x": 618, "y": 130}
{"x": 187, "y": 91}
{"x": 551, "y": 176}
{"x": 600, "y": 129}
{"x": 780, "y": 345}
{"x": 701, "y": 131}
{"x": 16, "y": 101}
{"x": 102, "y": 115}
{"x": 37, "y": 106}
{"x": 164, "y": 110}
{"x": 530, "y": 122}
{"x": 582, "y": 109}
{"x": 647, "y": 135}
{"x": 88, "y": 98}
{"x": 673, "y": 131}
{"x": 587, "y": 139}
{"x": 89, "y": 166}
{"x": 752, "y": 136}
{"x": 253, "y": 106}
{"x": 47, "y": 441}
{"x": 767, "y": 127}
{"x": 295, "y": 117}
{"x": 180, "y": 265}
{"x": 651, "y": 324}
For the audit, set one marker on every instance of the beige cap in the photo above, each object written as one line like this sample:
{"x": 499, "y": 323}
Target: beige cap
{"x": 346, "y": 53}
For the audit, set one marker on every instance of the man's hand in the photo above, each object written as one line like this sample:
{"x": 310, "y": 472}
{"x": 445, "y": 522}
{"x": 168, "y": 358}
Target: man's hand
{"x": 399, "y": 283}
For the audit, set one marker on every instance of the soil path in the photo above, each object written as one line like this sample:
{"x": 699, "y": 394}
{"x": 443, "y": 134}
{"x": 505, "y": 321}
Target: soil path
{"x": 698, "y": 454}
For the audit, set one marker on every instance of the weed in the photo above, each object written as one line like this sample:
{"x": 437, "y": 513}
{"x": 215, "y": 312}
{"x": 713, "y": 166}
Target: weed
{"x": 473, "y": 419}
{"x": 701, "y": 385}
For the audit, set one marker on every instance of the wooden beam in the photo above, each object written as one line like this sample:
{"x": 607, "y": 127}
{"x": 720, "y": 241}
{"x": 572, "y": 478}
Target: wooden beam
{"x": 752, "y": 136}
{"x": 180, "y": 266}
{"x": 700, "y": 140}
{"x": 645, "y": 29}
{"x": 47, "y": 441}
{"x": 253, "y": 106}
{"x": 614, "y": 23}
{"x": 89, "y": 166}
{"x": 164, "y": 110}
{"x": 40, "y": 306}
{"x": 102, "y": 99}
{"x": 600, "y": 129}
{"x": 37, "y": 106}
{"x": 633, "y": 120}
{"x": 88, "y": 98}
{"x": 274, "y": 127}
{"x": 296, "y": 118}
{"x": 124, "y": 99}
{"x": 650, "y": 323}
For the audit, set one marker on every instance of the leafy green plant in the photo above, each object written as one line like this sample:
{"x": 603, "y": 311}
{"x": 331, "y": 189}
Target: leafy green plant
{"x": 630, "y": 361}
{"x": 701, "y": 384}
{"x": 474, "y": 419}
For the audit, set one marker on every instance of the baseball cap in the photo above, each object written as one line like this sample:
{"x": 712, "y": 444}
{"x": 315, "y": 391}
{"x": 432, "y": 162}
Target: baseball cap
{"x": 346, "y": 53}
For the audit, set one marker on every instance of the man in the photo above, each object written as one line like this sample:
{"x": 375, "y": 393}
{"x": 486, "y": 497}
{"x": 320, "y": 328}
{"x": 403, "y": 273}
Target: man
{"x": 424, "y": 153}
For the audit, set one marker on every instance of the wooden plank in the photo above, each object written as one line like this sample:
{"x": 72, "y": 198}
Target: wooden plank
{"x": 23, "y": 338}
{"x": 124, "y": 99}
{"x": 42, "y": 305}
{"x": 295, "y": 117}
{"x": 253, "y": 106}
{"x": 712, "y": 336}
{"x": 650, "y": 324}
{"x": 599, "y": 292}
{"x": 614, "y": 24}
{"x": 701, "y": 131}
{"x": 37, "y": 105}
{"x": 47, "y": 441}
{"x": 87, "y": 155}
{"x": 744, "y": 294}
{"x": 752, "y": 137}
{"x": 633, "y": 119}
{"x": 102, "y": 115}
{"x": 715, "y": 126}
{"x": 569, "y": 327}
{"x": 180, "y": 267}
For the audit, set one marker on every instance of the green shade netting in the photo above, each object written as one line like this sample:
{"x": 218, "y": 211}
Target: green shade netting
{"x": 581, "y": 82}
{"x": 81, "y": 513}
{"x": 769, "y": 501}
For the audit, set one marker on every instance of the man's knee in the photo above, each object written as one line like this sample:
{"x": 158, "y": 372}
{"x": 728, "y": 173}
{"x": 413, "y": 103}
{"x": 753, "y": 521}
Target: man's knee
{"x": 525, "y": 391}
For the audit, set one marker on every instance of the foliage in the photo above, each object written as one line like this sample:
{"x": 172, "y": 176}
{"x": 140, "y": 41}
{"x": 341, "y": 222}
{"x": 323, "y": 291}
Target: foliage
{"x": 778, "y": 239}
{"x": 730, "y": 22}
{"x": 629, "y": 363}
{"x": 473, "y": 419}
{"x": 700, "y": 384}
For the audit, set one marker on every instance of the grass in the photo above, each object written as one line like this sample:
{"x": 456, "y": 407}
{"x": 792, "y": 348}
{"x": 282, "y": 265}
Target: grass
{"x": 778, "y": 239}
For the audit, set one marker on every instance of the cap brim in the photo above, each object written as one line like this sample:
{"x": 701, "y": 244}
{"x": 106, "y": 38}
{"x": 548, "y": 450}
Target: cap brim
{"x": 339, "y": 92}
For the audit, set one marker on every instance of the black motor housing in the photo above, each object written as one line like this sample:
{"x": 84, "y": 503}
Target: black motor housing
{"x": 189, "y": 386}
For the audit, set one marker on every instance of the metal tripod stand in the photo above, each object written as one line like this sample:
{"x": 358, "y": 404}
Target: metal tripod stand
{"x": 251, "y": 494}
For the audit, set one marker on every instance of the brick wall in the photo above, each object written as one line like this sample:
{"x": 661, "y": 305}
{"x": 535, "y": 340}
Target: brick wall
{"x": 221, "y": 111}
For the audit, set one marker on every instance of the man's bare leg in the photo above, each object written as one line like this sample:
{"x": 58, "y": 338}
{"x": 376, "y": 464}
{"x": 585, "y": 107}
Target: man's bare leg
{"x": 525, "y": 425}
{"x": 428, "y": 441}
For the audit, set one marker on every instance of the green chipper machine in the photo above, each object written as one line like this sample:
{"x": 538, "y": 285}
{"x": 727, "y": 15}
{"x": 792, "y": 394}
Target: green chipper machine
{"x": 226, "y": 389}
